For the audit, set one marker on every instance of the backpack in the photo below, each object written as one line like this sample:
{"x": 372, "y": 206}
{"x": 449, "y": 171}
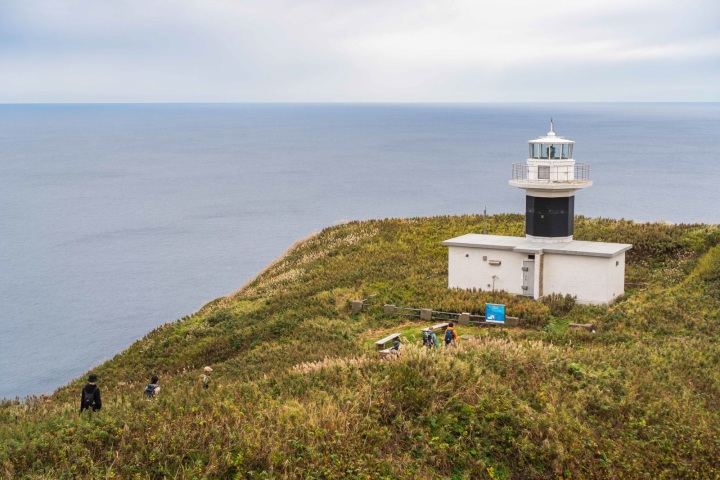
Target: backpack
{"x": 449, "y": 335}
{"x": 88, "y": 398}
{"x": 150, "y": 390}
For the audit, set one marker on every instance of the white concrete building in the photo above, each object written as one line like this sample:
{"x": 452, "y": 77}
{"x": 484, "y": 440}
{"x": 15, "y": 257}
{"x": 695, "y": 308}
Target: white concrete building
{"x": 547, "y": 260}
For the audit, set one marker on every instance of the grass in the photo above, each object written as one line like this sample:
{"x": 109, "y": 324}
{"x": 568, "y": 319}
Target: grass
{"x": 299, "y": 392}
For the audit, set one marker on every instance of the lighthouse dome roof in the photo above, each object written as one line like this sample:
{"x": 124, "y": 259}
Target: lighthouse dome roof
{"x": 551, "y": 137}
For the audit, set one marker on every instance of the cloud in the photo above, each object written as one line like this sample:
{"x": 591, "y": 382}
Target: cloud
{"x": 221, "y": 50}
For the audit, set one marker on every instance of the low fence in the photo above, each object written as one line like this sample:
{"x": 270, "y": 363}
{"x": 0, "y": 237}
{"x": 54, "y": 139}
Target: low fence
{"x": 427, "y": 314}
{"x": 430, "y": 315}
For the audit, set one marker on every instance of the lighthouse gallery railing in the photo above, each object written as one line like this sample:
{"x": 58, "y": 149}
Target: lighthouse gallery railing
{"x": 577, "y": 173}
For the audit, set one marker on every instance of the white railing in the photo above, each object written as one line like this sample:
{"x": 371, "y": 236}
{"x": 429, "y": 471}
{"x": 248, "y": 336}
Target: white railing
{"x": 577, "y": 173}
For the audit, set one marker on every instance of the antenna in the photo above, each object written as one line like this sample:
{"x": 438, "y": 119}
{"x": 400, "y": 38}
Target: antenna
{"x": 484, "y": 220}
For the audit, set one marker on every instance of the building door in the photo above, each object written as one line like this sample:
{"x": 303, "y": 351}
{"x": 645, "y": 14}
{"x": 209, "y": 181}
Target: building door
{"x": 528, "y": 276}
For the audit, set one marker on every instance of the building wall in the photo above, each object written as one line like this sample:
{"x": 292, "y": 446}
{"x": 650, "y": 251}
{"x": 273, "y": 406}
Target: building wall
{"x": 596, "y": 280}
{"x": 616, "y": 277}
{"x": 467, "y": 269}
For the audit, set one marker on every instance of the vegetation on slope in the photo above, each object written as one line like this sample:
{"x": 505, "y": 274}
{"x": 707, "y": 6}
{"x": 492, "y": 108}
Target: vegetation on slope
{"x": 298, "y": 391}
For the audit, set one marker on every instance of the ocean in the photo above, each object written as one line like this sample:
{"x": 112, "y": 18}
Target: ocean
{"x": 115, "y": 219}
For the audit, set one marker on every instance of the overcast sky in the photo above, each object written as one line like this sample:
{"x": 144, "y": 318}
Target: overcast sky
{"x": 359, "y": 51}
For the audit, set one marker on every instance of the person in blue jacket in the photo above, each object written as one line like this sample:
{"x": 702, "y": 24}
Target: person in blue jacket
{"x": 430, "y": 339}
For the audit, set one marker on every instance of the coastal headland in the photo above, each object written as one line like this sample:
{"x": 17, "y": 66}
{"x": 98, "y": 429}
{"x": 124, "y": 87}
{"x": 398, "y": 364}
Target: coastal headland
{"x": 297, "y": 389}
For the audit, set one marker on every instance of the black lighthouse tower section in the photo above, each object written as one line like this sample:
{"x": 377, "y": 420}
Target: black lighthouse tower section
{"x": 549, "y": 217}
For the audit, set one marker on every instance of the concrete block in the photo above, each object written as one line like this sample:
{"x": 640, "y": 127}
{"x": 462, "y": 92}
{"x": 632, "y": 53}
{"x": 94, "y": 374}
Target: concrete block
{"x": 512, "y": 321}
{"x": 389, "y": 309}
{"x": 582, "y": 326}
{"x": 357, "y": 306}
{"x": 425, "y": 314}
{"x": 464, "y": 319}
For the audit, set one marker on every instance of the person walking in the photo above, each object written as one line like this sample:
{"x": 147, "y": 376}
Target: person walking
{"x": 90, "y": 395}
{"x": 206, "y": 376}
{"x": 450, "y": 335}
{"x": 432, "y": 341}
{"x": 152, "y": 388}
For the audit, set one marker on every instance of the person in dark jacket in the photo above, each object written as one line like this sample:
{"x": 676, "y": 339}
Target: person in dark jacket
{"x": 90, "y": 395}
{"x": 152, "y": 388}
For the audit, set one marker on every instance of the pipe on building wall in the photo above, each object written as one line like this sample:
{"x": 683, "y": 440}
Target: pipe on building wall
{"x": 540, "y": 262}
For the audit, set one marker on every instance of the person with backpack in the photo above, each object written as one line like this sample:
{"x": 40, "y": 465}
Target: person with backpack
{"x": 206, "y": 376}
{"x": 152, "y": 388}
{"x": 429, "y": 338}
{"x": 450, "y": 335}
{"x": 90, "y": 396}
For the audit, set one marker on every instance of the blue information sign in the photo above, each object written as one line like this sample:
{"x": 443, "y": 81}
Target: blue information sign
{"x": 494, "y": 313}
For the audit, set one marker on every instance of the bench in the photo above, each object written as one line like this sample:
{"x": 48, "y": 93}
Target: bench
{"x": 443, "y": 326}
{"x": 380, "y": 344}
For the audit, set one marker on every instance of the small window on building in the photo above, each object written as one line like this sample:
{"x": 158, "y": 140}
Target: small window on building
{"x": 565, "y": 150}
{"x": 531, "y": 257}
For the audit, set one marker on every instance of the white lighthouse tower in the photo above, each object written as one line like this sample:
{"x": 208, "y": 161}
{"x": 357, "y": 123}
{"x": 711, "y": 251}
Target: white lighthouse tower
{"x": 547, "y": 260}
{"x": 550, "y": 177}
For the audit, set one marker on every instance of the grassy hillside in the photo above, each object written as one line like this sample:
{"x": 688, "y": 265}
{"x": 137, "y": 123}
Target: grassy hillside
{"x": 298, "y": 391}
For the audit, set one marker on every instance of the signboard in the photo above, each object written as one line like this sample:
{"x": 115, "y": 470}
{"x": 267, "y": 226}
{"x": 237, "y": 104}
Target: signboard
{"x": 494, "y": 313}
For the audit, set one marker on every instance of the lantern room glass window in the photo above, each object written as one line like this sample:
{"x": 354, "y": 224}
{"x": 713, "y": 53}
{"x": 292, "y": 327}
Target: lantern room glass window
{"x": 548, "y": 150}
{"x": 553, "y": 151}
{"x": 534, "y": 150}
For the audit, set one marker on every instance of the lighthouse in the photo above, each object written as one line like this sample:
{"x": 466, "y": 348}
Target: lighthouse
{"x": 550, "y": 178}
{"x": 547, "y": 259}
